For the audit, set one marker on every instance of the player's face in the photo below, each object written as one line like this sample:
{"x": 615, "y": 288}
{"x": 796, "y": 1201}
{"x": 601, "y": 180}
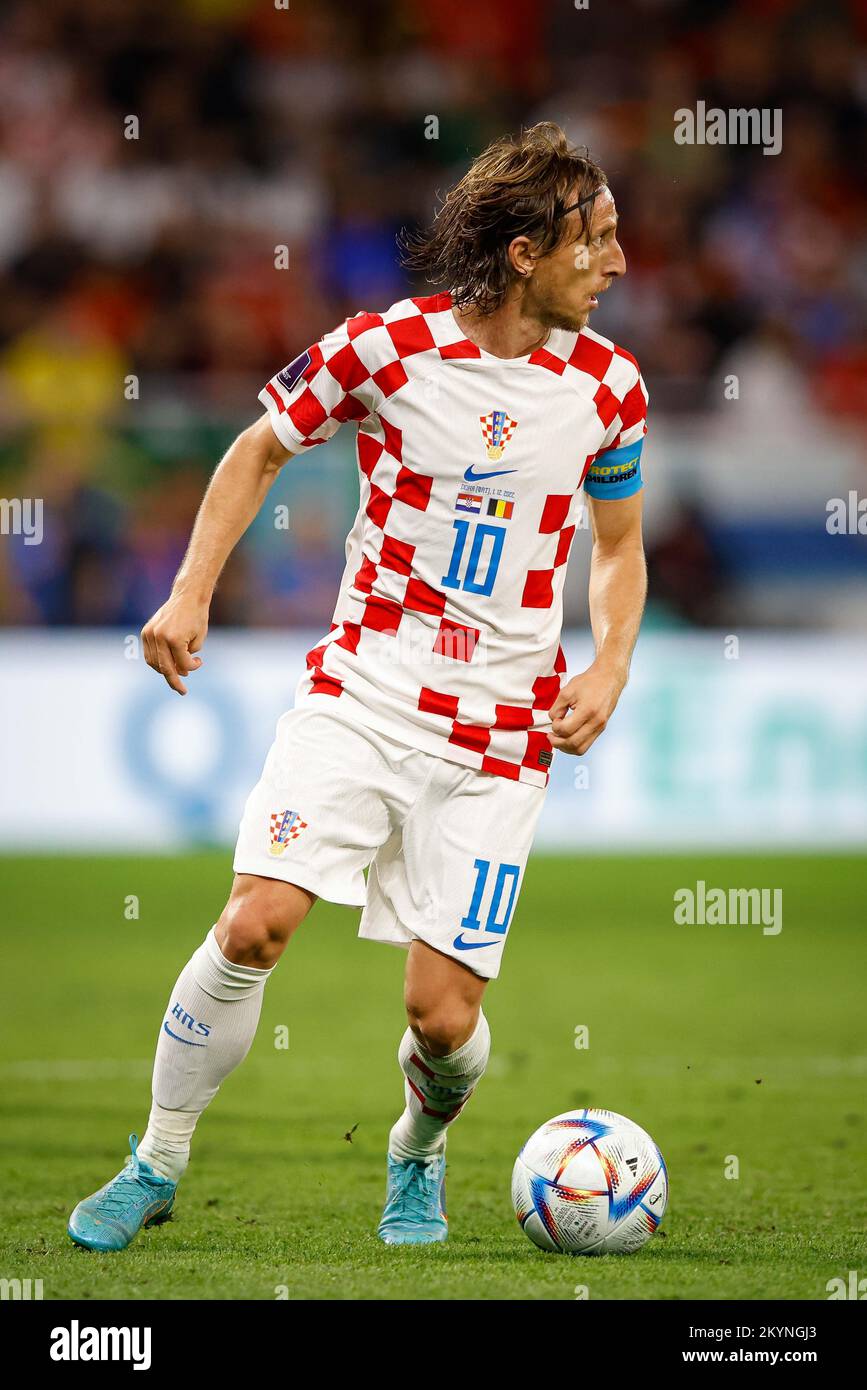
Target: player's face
{"x": 565, "y": 286}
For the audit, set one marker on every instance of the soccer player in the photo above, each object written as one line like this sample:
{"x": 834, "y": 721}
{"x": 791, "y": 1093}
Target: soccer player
{"x": 424, "y": 727}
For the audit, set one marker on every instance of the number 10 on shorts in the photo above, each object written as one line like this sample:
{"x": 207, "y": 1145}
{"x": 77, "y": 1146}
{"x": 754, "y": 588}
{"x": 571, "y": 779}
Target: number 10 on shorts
{"x": 505, "y": 886}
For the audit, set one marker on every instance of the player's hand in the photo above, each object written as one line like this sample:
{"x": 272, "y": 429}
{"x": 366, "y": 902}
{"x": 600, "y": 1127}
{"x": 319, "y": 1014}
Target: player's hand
{"x": 173, "y": 636}
{"x": 584, "y": 707}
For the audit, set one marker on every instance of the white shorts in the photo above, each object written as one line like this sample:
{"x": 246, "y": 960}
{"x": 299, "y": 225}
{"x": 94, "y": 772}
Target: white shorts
{"x": 445, "y": 845}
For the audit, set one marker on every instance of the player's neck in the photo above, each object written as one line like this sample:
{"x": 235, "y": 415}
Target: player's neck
{"x": 506, "y": 332}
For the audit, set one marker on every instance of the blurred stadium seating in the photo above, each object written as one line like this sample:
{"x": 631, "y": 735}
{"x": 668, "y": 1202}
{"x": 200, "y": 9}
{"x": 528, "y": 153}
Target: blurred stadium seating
{"x": 306, "y": 127}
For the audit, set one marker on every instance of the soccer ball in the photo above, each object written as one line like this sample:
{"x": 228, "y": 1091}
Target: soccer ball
{"x": 589, "y": 1182}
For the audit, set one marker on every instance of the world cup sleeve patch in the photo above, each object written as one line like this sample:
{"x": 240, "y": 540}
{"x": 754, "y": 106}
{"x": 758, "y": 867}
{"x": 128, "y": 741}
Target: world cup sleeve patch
{"x": 616, "y": 473}
{"x": 290, "y": 374}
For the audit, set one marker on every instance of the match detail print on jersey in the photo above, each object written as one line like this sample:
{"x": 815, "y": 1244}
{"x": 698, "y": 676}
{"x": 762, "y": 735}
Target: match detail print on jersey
{"x": 447, "y": 627}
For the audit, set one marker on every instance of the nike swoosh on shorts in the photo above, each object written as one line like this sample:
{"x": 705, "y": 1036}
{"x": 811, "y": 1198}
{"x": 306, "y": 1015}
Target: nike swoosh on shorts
{"x": 469, "y": 945}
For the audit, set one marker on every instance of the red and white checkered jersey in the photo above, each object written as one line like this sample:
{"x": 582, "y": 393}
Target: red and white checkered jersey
{"x": 446, "y": 633}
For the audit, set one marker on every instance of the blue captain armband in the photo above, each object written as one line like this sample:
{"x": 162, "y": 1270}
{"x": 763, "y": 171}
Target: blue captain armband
{"x": 616, "y": 473}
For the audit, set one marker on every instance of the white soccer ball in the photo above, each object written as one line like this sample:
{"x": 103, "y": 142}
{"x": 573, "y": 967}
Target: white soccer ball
{"x": 589, "y": 1182}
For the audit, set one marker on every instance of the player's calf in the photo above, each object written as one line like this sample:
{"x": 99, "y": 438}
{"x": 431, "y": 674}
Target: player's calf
{"x": 436, "y": 1089}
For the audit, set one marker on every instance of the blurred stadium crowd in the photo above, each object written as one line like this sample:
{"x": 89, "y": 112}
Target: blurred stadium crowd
{"x": 307, "y": 127}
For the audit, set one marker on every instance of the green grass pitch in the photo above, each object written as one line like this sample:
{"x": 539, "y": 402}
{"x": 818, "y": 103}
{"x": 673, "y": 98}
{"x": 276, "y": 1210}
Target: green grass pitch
{"x": 719, "y": 1040}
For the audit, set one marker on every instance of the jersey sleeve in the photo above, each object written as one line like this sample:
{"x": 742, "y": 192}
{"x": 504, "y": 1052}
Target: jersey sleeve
{"x": 615, "y": 471}
{"x": 324, "y": 386}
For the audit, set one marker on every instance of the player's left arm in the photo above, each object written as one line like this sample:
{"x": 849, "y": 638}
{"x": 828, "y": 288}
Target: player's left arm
{"x": 618, "y": 588}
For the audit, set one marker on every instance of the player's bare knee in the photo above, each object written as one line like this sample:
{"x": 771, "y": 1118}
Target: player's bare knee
{"x": 247, "y": 936}
{"x": 442, "y": 1027}
{"x": 258, "y": 920}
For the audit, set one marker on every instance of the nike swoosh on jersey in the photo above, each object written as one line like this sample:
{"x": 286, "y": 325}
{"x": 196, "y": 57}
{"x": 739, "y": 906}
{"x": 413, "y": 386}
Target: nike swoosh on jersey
{"x": 469, "y": 945}
{"x": 471, "y": 476}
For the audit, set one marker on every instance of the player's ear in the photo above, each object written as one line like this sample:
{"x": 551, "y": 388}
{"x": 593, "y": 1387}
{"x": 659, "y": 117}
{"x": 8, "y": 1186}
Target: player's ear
{"x": 521, "y": 256}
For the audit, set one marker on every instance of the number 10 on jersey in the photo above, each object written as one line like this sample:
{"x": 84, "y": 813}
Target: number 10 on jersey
{"x": 485, "y": 550}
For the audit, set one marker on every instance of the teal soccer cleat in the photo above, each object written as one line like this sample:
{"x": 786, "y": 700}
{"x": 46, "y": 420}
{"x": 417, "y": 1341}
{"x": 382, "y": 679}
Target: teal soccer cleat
{"x": 110, "y": 1218}
{"x": 415, "y": 1205}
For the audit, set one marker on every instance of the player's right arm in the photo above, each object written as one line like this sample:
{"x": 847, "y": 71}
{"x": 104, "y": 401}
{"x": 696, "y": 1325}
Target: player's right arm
{"x": 177, "y": 631}
{"x": 306, "y": 403}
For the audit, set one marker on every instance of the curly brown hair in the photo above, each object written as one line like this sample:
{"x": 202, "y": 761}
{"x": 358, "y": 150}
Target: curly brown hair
{"x": 518, "y": 186}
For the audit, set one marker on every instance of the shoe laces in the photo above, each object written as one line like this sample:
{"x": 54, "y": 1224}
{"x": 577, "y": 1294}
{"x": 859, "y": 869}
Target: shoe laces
{"x": 419, "y": 1187}
{"x": 131, "y": 1183}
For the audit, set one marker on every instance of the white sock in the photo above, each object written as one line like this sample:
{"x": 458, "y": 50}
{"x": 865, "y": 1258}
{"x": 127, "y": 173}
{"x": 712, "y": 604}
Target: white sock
{"x": 436, "y": 1089}
{"x": 208, "y": 1029}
